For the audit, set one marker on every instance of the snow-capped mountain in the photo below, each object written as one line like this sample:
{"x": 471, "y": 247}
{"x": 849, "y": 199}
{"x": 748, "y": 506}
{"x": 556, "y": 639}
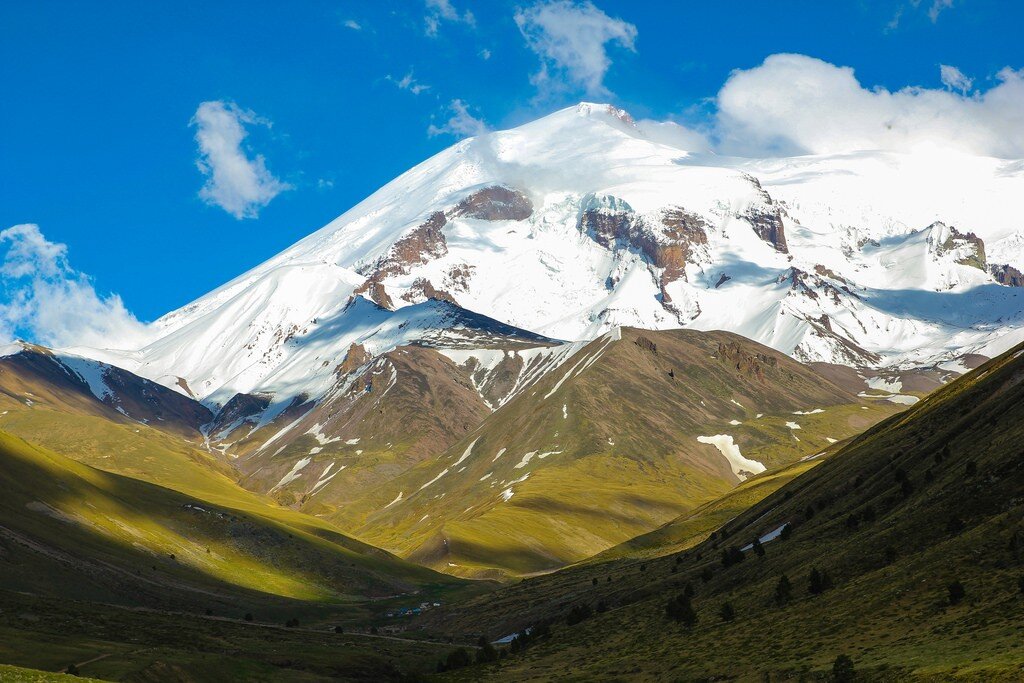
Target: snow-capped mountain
{"x": 585, "y": 220}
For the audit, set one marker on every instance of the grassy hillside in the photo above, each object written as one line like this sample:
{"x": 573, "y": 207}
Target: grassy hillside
{"x": 67, "y": 529}
{"x": 607, "y": 447}
{"x": 118, "y": 644}
{"x": 918, "y": 525}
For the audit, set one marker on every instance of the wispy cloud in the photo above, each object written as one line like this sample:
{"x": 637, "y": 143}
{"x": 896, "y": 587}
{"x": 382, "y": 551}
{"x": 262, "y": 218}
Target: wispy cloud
{"x": 461, "y": 124}
{"x": 571, "y": 39}
{"x": 443, "y": 10}
{"x": 955, "y": 79}
{"x": 934, "y": 8}
{"x": 46, "y": 301}
{"x": 353, "y": 24}
{"x": 235, "y": 182}
{"x": 408, "y": 82}
{"x": 937, "y": 7}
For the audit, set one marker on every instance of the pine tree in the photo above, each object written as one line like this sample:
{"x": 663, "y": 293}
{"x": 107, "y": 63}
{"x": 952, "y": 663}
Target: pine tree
{"x": 786, "y": 533}
{"x": 956, "y": 592}
{"x": 819, "y": 581}
{"x": 757, "y": 547}
{"x": 783, "y": 590}
{"x": 842, "y": 669}
{"x": 458, "y": 659}
{"x": 486, "y": 654}
{"x": 680, "y": 609}
{"x": 727, "y": 612}
{"x": 731, "y": 555}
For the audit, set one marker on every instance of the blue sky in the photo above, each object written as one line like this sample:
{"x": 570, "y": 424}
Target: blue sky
{"x": 102, "y": 104}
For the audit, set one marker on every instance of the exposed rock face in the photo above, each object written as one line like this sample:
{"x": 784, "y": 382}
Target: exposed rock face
{"x": 808, "y": 284}
{"x": 750, "y": 364}
{"x": 668, "y": 244}
{"x": 1007, "y": 275}
{"x": 768, "y": 226}
{"x": 355, "y": 358}
{"x": 495, "y": 203}
{"x": 767, "y": 220}
{"x": 241, "y": 408}
{"x": 646, "y": 344}
{"x": 968, "y": 249}
{"x": 458, "y": 277}
{"x": 422, "y": 244}
{"x": 422, "y": 288}
{"x": 375, "y": 292}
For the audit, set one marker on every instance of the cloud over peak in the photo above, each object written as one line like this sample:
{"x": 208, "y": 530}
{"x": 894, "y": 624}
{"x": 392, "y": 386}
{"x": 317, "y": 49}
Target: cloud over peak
{"x": 461, "y": 124}
{"x": 794, "y": 104}
{"x": 236, "y": 182}
{"x": 571, "y": 39}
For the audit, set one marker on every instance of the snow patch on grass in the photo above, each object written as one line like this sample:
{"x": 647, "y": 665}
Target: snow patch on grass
{"x": 443, "y": 472}
{"x": 741, "y": 466}
{"x": 294, "y": 474}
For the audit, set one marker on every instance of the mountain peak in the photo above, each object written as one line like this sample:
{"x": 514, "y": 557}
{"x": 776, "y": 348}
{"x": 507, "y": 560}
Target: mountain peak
{"x": 594, "y": 110}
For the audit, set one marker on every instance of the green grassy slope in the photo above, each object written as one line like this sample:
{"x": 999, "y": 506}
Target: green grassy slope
{"x": 135, "y": 645}
{"x": 925, "y": 499}
{"x": 70, "y": 530}
{"x": 606, "y": 448}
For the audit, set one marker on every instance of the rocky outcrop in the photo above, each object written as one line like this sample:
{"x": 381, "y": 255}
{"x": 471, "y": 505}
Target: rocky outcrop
{"x": 494, "y": 203}
{"x": 1007, "y": 275}
{"x": 355, "y": 358}
{"x": 667, "y": 242}
{"x": 458, "y": 277}
{"x": 967, "y": 248}
{"x": 766, "y": 219}
{"x": 768, "y": 226}
{"x": 422, "y": 244}
{"x": 749, "y": 364}
{"x": 646, "y": 344}
{"x": 810, "y": 284}
{"x": 423, "y": 289}
{"x": 375, "y": 291}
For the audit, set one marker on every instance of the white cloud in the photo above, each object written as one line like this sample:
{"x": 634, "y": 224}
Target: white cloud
{"x": 46, "y": 301}
{"x": 409, "y": 83}
{"x": 485, "y": 53}
{"x": 794, "y": 104}
{"x": 937, "y": 7}
{"x": 444, "y": 10}
{"x": 954, "y": 79}
{"x": 235, "y": 182}
{"x": 353, "y": 24}
{"x": 461, "y": 124}
{"x": 571, "y": 39}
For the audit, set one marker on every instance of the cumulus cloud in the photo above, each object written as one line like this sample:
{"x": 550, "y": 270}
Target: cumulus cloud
{"x": 407, "y": 82}
{"x": 461, "y": 124}
{"x": 954, "y": 79}
{"x": 235, "y": 182}
{"x": 46, "y": 301}
{"x": 571, "y": 39}
{"x": 353, "y": 24}
{"x": 794, "y": 104}
{"x": 444, "y": 10}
